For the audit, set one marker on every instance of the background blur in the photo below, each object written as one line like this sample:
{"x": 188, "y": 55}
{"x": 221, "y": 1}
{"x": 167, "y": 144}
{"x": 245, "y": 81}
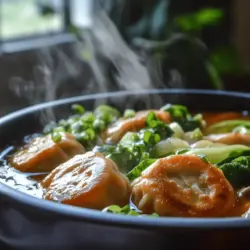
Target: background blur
{"x": 45, "y": 52}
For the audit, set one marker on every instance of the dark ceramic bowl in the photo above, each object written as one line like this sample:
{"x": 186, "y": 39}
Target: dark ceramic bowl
{"x": 30, "y": 223}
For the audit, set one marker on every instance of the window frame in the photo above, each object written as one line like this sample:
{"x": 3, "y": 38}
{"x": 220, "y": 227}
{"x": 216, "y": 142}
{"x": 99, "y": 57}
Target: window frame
{"x": 40, "y": 39}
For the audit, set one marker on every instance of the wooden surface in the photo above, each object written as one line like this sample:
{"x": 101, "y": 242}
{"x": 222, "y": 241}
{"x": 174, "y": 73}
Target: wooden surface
{"x": 241, "y": 28}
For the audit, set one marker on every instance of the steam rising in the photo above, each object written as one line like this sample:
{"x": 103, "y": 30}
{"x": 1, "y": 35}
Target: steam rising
{"x": 107, "y": 41}
{"x": 52, "y": 69}
{"x": 101, "y": 49}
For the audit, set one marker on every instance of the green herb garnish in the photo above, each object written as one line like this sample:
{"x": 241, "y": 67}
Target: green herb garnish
{"x": 78, "y": 109}
{"x": 136, "y": 171}
{"x": 56, "y": 137}
{"x": 129, "y": 113}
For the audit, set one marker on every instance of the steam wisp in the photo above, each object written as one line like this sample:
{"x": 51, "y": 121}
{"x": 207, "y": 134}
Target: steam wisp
{"x": 103, "y": 50}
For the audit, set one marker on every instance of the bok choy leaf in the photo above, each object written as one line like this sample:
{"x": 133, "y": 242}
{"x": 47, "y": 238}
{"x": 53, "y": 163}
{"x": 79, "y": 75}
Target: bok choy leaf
{"x": 218, "y": 154}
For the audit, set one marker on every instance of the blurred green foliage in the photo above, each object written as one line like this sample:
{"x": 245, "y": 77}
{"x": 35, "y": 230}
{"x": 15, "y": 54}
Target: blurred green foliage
{"x": 187, "y": 54}
{"x": 226, "y": 60}
{"x": 199, "y": 20}
{"x": 165, "y": 32}
{"x": 212, "y": 65}
{"x": 223, "y": 59}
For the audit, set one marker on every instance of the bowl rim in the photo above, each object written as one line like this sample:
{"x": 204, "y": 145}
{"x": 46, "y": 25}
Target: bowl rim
{"x": 99, "y": 217}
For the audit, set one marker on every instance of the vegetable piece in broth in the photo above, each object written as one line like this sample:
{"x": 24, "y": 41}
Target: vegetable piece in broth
{"x": 227, "y": 126}
{"x": 181, "y": 115}
{"x": 237, "y": 171}
{"x": 218, "y": 154}
{"x": 157, "y": 162}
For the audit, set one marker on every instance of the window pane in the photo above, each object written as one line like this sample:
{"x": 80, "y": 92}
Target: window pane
{"x": 19, "y": 18}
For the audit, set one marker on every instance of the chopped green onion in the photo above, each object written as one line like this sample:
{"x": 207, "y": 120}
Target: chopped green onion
{"x": 178, "y": 131}
{"x": 107, "y": 113}
{"x": 129, "y": 113}
{"x": 56, "y": 137}
{"x": 63, "y": 123}
{"x": 99, "y": 125}
{"x": 91, "y": 133}
{"x": 81, "y": 137}
{"x": 77, "y": 126}
{"x": 88, "y": 117}
{"x": 113, "y": 209}
{"x": 193, "y": 136}
{"x": 152, "y": 120}
{"x": 176, "y": 111}
{"x": 49, "y": 127}
{"x": 126, "y": 210}
{"x": 136, "y": 171}
{"x": 78, "y": 109}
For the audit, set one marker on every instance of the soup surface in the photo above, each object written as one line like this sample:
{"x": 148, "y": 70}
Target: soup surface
{"x": 165, "y": 162}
